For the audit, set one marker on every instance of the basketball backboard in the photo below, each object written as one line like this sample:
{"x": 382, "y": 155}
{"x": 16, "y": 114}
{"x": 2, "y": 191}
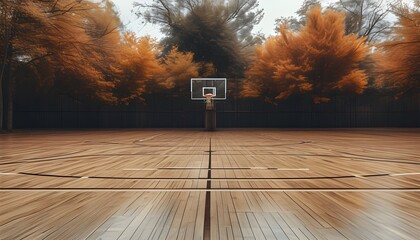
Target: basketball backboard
{"x": 202, "y": 86}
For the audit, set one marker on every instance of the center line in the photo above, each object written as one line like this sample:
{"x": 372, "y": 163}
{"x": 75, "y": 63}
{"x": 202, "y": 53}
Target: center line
{"x": 207, "y": 210}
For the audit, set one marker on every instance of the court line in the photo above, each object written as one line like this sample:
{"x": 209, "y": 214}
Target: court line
{"x": 210, "y": 190}
{"x": 216, "y": 168}
{"x": 214, "y": 179}
{"x": 403, "y": 174}
{"x": 78, "y": 157}
{"x": 207, "y": 204}
{"x": 48, "y": 158}
{"x": 208, "y": 179}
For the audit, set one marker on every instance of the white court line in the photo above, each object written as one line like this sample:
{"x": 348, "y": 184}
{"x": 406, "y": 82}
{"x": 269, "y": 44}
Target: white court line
{"x": 140, "y": 169}
{"x": 277, "y": 169}
{"x": 403, "y": 174}
{"x": 211, "y": 190}
{"x": 292, "y": 169}
{"x": 165, "y": 168}
{"x": 8, "y": 173}
{"x": 198, "y": 168}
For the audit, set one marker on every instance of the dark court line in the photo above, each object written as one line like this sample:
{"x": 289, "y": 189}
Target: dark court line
{"x": 207, "y": 211}
{"x": 209, "y": 178}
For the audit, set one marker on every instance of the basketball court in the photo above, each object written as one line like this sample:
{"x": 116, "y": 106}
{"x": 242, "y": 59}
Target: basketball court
{"x": 227, "y": 184}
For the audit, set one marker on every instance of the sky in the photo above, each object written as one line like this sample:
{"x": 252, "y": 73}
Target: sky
{"x": 273, "y": 9}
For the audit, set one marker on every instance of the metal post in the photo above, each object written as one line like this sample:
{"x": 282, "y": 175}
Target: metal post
{"x": 210, "y": 113}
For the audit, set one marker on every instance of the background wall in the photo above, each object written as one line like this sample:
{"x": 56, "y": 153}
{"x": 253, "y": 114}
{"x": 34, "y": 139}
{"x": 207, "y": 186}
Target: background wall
{"x": 372, "y": 109}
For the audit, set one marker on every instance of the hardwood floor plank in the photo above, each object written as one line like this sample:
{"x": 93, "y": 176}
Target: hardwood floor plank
{"x": 166, "y": 160}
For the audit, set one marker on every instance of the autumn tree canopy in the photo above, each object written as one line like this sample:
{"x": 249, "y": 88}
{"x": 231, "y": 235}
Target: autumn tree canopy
{"x": 63, "y": 34}
{"x": 55, "y": 38}
{"x": 217, "y": 32}
{"x": 91, "y": 76}
{"x": 319, "y": 60}
{"x": 179, "y": 67}
{"x": 76, "y": 48}
{"x": 141, "y": 69}
{"x": 398, "y": 59}
{"x": 366, "y": 18}
{"x": 134, "y": 68}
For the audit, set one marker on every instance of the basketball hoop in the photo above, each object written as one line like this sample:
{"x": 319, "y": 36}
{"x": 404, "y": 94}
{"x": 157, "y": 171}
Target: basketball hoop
{"x": 208, "y": 96}
{"x": 209, "y": 90}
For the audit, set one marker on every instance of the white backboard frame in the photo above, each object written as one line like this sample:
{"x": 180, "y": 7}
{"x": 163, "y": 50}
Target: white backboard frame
{"x": 216, "y": 96}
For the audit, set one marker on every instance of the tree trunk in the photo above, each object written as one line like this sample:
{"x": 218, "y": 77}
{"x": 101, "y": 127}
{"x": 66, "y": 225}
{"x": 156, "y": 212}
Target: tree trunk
{"x": 5, "y": 72}
{"x": 7, "y": 88}
{"x": 1, "y": 103}
{"x": 5, "y": 67}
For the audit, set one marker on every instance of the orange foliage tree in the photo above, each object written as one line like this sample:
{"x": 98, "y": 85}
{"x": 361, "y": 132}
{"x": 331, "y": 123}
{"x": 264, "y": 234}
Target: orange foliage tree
{"x": 179, "y": 67}
{"x": 398, "y": 60}
{"x": 320, "y": 59}
{"x": 50, "y": 39}
{"x": 140, "y": 68}
{"x": 90, "y": 76}
{"x": 135, "y": 68}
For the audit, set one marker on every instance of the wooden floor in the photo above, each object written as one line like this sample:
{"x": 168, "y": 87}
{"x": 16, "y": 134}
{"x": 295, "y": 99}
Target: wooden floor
{"x": 229, "y": 184}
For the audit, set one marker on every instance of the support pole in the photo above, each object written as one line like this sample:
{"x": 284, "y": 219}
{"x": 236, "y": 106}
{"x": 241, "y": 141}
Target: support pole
{"x": 211, "y": 120}
{"x": 210, "y": 113}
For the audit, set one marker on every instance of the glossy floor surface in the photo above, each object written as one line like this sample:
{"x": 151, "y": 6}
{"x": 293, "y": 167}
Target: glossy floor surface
{"x": 229, "y": 184}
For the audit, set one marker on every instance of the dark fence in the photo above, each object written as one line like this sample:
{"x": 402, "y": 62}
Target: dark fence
{"x": 371, "y": 109}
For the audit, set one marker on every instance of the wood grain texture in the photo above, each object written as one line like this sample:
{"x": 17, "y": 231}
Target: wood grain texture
{"x": 265, "y": 184}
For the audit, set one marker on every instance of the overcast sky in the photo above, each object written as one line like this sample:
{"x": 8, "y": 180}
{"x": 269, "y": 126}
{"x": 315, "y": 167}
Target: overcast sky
{"x": 273, "y": 9}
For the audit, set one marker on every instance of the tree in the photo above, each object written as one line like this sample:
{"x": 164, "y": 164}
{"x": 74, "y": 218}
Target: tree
{"x": 367, "y": 18}
{"x": 53, "y": 37}
{"x": 141, "y": 69}
{"x": 320, "y": 59}
{"x": 398, "y": 59}
{"x": 136, "y": 67}
{"x": 217, "y": 32}
{"x": 179, "y": 67}
{"x": 94, "y": 80}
